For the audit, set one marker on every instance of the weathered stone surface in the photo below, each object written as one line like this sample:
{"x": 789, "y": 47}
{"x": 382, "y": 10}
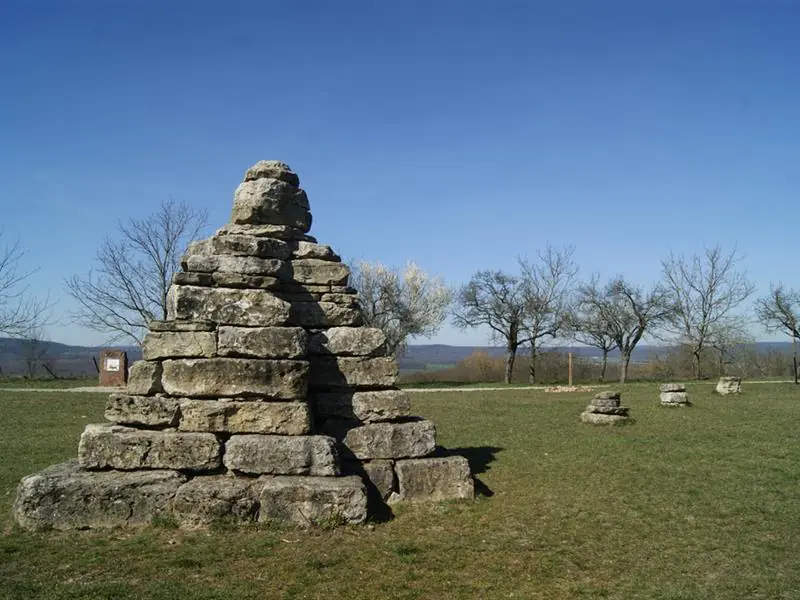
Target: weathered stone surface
{"x": 381, "y": 474}
{"x": 353, "y": 372}
{"x": 324, "y": 314}
{"x": 384, "y": 405}
{"x": 65, "y": 497}
{"x": 672, "y": 387}
{"x": 281, "y": 232}
{"x": 250, "y": 245}
{"x": 215, "y": 377}
{"x": 608, "y": 395}
{"x": 600, "y": 419}
{"x": 319, "y": 272}
{"x": 282, "y": 455}
{"x": 434, "y": 479}
{"x": 272, "y": 169}
{"x": 264, "y": 342}
{"x": 253, "y": 282}
{"x": 349, "y": 341}
{"x": 608, "y": 410}
{"x": 604, "y": 402}
{"x": 170, "y": 326}
{"x": 113, "y": 446}
{"x": 284, "y": 418}
{"x": 674, "y": 398}
{"x": 250, "y": 308}
{"x": 196, "y": 279}
{"x": 214, "y": 499}
{"x": 310, "y": 250}
{"x": 310, "y": 501}
{"x": 271, "y": 202}
{"x": 729, "y": 385}
{"x": 245, "y": 265}
{"x": 392, "y": 440}
{"x": 166, "y": 344}
{"x": 341, "y": 299}
{"x": 145, "y": 378}
{"x": 151, "y": 411}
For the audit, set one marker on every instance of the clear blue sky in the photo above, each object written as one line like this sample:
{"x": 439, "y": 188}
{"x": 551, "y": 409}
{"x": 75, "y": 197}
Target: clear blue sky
{"x": 456, "y": 134}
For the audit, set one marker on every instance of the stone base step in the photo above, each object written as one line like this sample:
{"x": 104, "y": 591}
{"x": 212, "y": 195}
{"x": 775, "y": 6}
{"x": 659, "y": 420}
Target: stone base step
{"x": 66, "y": 497}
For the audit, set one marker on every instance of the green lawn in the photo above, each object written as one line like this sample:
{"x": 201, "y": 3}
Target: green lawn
{"x": 696, "y": 503}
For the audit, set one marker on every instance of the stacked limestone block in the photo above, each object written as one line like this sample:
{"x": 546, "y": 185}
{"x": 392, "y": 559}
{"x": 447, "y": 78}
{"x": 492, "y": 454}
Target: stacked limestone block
{"x": 263, "y": 343}
{"x": 727, "y": 386}
{"x": 674, "y": 394}
{"x": 605, "y": 409}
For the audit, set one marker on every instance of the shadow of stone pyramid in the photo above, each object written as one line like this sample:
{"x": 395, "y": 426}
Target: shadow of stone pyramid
{"x": 262, "y": 396}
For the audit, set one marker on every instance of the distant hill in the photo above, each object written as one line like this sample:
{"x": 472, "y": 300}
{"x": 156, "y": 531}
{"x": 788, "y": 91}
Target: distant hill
{"x": 76, "y": 361}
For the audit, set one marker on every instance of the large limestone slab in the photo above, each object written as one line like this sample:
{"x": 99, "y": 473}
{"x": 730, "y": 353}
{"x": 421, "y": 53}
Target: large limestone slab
{"x": 674, "y": 399}
{"x": 282, "y": 455}
{"x": 215, "y": 499}
{"x": 249, "y": 308}
{"x": 231, "y": 377}
{"x": 312, "y": 501}
{"x": 150, "y": 411}
{"x": 175, "y": 344}
{"x": 272, "y": 169}
{"x": 434, "y": 479}
{"x": 144, "y": 378}
{"x": 317, "y": 314}
{"x": 349, "y": 341}
{"x": 383, "y": 405}
{"x": 245, "y": 265}
{"x": 320, "y": 272}
{"x": 281, "y": 232}
{"x": 263, "y": 342}
{"x": 65, "y": 497}
{"x": 268, "y": 201}
{"x": 392, "y": 440}
{"x": 353, "y": 372}
{"x": 381, "y": 475}
{"x": 284, "y": 418}
{"x": 175, "y": 326}
{"x": 250, "y": 245}
{"x": 303, "y": 249}
{"x": 114, "y": 446}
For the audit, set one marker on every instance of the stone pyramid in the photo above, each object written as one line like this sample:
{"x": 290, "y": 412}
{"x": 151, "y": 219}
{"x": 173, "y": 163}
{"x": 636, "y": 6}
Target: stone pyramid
{"x": 261, "y": 397}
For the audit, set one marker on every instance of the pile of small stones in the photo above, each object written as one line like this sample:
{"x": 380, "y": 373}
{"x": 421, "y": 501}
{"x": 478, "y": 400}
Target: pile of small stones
{"x": 674, "y": 394}
{"x": 261, "y": 397}
{"x": 729, "y": 385}
{"x": 605, "y": 409}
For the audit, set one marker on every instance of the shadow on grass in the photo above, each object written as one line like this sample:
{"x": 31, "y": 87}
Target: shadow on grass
{"x": 479, "y": 458}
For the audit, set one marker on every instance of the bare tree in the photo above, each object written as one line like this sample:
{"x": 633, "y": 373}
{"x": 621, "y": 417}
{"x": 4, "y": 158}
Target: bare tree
{"x": 34, "y": 349}
{"x": 730, "y": 342}
{"x": 628, "y": 311}
{"x": 134, "y": 270}
{"x": 493, "y": 299}
{"x": 402, "y": 304}
{"x": 546, "y": 286}
{"x": 588, "y": 325}
{"x": 779, "y": 311}
{"x": 19, "y": 311}
{"x": 704, "y": 293}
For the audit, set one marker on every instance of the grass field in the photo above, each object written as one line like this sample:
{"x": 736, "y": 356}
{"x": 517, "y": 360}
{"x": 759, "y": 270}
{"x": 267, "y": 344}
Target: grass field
{"x": 697, "y": 503}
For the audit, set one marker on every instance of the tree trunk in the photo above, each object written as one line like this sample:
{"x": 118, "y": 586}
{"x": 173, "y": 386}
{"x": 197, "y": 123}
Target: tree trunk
{"x": 603, "y": 366}
{"x": 696, "y": 363}
{"x": 794, "y": 361}
{"x": 623, "y": 367}
{"x": 721, "y": 363}
{"x": 511, "y": 354}
{"x": 532, "y": 366}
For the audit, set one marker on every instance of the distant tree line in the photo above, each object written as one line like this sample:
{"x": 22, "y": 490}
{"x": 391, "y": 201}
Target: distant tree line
{"x": 695, "y": 304}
